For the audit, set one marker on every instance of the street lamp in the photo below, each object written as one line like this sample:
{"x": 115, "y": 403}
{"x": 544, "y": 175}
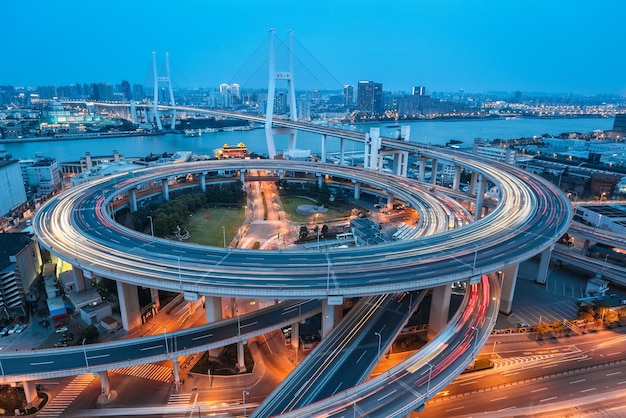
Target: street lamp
{"x": 167, "y": 350}
{"x": 224, "y": 234}
{"x": 353, "y": 407}
{"x": 475, "y": 336}
{"x": 243, "y": 394}
{"x": 493, "y": 351}
{"x": 238, "y": 324}
{"x": 151, "y": 226}
{"x": 379, "y": 340}
{"x": 430, "y": 375}
{"x": 84, "y": 352}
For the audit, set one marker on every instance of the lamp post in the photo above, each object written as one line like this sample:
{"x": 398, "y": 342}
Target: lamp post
{"x": 379, "y": 340}
{"x": 151, "y": 226}
{"x": 238, "y": 324}
{"x": 84, "y": 352}
{"x": 224, "y": 235}
{"x": 167, "y": 350}
{"x": 475, "y": 337}
{"x": 353, "y": 407}
{"x": 430, "y": 375}
{"x": 493, "y": 351}
{"x": 243, "y": 394}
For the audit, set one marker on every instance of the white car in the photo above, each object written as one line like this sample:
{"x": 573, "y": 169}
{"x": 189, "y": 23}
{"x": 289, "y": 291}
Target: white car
{"x": 61, "y": 329}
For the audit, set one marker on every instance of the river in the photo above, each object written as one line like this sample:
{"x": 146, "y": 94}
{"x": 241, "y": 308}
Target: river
{"x": 436, "y": 132}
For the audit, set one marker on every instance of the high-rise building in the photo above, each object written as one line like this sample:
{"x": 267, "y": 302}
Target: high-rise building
{"x": 370, "y": 97}
{"x": 12, "y": 192}
{"x": 348, "y": 94}
{"x": 19, "y": 266}
{"x": 418, "y": 91}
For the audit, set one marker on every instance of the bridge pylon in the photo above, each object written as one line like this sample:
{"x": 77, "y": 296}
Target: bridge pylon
{"x": 274, "y": 75}
{"x": 165, "y": 79}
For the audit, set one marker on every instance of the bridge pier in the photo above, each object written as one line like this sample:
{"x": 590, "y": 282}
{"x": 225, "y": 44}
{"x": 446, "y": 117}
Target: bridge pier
{"x": 129, "y": 305}
{"x": 132, "y": 200}
{"x": 213, "y": 308}
{"x": 433, "y": 171}
{"x": 372, "y": 149}
{"x": 544, "y": 264}
{"x": 203, "y": 181}
{"x": 439, "y": 309}
{"x": 323, "y": 154}
{"x": 480, "y": 196}
{"x": 357, "y": 191}
{"x": 80, "y": 281}
{"x": 508, "y": 279}
{"x": 166, "y": 190}
{"x": 457, "y": 178}
{"x": 342, "y": 150}
{"x": 105, "y": 385}
{"x": 241, "y": 360}
{"x": 242, "y": 177}
{"x": 30, "y": 391}
{"x": 328, "y": 318}
{"x": 154, "y": 297}
{"x": 295, "y": 335}
{"x": 422, "y": 169}
{"x": 176, "y": 371}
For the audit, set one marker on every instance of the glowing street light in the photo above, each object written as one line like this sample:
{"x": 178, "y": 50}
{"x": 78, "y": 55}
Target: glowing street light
{"x": 379, "y": 340}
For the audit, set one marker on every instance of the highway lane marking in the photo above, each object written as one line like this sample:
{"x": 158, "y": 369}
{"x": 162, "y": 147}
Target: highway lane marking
{"x": 622, "y": 382}
{"x": 547, "y": 399}
{"x": 506, "y": 409}
{"x": 498, "y": 399}
{"x": 577, "y": 381}
{"x": 614, "y": 354}
{"x": 387, "y": 395}
{"x": 151, "y": 348}
{"x": 468, "y": 383}
{"x": 100, "y": 356}
{"x": 538, "y": 390}
{"x": 587, "y": 390}
{"x": 361, "y": 356}
{"x": 454, "y": 409}
{"x": 202, "y": 336}
{"x": 613, "y": 374}
{"x": 247, "y": 325}
{"x": 41, "y": 363}
{"x": 115, "y": 241}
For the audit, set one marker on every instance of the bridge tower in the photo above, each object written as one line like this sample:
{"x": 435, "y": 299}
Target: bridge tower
{"x": 271, "y": 91}
{"x": 165, "y": 79}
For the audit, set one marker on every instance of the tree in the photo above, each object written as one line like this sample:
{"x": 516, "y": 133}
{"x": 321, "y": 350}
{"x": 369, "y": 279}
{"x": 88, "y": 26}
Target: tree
{"x": 543, "y": 328}
{"x": 324, "y": 231}
{"x": 304, "y": 233}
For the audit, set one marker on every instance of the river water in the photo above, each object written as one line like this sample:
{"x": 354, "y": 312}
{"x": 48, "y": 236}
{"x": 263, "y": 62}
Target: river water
{"x": 436, "y": 132}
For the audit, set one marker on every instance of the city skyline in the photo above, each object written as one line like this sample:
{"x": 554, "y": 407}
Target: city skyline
{"x": 553, "y": 47}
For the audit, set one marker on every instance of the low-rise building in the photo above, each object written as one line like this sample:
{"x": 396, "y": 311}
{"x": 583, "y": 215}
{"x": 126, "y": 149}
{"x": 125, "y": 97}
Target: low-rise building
{"x": 20, "y": 260}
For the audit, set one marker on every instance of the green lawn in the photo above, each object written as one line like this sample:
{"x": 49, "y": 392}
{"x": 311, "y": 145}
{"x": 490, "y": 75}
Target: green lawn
{"x": 209, "y": 231}
{"x": 290, "y": 203}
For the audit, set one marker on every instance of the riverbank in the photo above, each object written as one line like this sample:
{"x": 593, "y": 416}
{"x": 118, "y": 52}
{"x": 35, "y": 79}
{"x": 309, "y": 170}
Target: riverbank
{"x": 73, "y": 137}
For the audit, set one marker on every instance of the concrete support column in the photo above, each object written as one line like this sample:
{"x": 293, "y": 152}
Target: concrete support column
{"x": 508, "y": 278}
{"x": 480, "y": 196}
{"x": 338, "y": 313}
{"x": 242, "y": 176}
{"x": 457, "y": 178}
{"x": 585, "y": 248}
{"x": 241, "y": 360}
{"x": 342, "y": 150}
{"x": 433, "y": 171}
{"x": 323, "y": 155}
{"x": 422, "y": 169}
{"x": 357, "y": 191}
{"x": 281, "y": 174}
{"x": 295, "y": 335}
{"x": 166, "y": 190}
{"x": 176, "y": 370}
{"x": 473, "y": 181}
{"x": 80, "y": 283}
{"x": 320, "y": 179}
{"x": 104, "y": 384}
{"x": 154, "y": 296}
{"x": 544, "y": 264}
{"x": 213, "y": 308}
{"x": 30, "y": 391}
{"x": 132, "y": 200}
{"x": 328, "y": 318}
{"x": 129, "y": 305}
{"x": 439, "y": 308}
{"x": 203, "y": 181}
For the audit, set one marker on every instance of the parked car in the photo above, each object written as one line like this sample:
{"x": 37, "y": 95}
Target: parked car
{"x": 13, "y": 328}
{"x": 21, "y": 328}
{"x": 62, "y": 329}
{"x": 60, "y": 324}
{"x": 60, "y": 344}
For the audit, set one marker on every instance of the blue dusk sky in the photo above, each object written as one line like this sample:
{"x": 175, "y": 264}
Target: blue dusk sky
{"x": 551, "y": 46}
